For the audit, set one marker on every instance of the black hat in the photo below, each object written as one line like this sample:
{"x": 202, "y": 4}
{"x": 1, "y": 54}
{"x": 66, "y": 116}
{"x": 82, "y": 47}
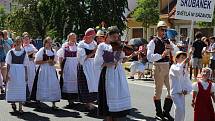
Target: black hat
{"x": 113, "y": 30}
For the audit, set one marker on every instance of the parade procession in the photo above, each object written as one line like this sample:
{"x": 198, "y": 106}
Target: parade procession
{"x": 99, "y": 60}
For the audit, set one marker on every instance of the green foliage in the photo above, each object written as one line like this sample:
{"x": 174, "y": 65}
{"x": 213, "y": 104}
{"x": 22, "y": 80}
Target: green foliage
{"x": 207, "y": 24}
{"x": 3, "y": 16}
{"x": 60, "y": 17}
{"x": 147, "y": 12}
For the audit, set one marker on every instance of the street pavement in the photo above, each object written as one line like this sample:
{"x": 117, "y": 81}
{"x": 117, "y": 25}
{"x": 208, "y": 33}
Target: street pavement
{"x": 142, "y": 108}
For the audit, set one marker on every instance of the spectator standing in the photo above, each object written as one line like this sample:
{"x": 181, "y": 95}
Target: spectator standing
{"x": 8, "y": 41}
{"x": 206, "y": 55}
{"x": 196, "y": 52}
{"x": 2, "y": 61}
{"x": 212, "y": 58}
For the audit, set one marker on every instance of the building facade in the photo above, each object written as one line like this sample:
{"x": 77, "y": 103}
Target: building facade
{"x": 167, "y": 13}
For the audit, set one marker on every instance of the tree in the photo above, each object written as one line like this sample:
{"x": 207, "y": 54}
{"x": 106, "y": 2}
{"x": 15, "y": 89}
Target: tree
{"x": 146, "y": 12}
{"x": 3, "y": 16}
{"x": 110, "y": 11}
{"x": 60, "y": 17}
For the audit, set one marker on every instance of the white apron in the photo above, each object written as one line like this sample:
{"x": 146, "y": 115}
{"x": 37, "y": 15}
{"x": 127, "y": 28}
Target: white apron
{"x": 48, "y": 87}
{"x": 89, "y": 71}
{"x": 70, "y": 84}
{"x": 31, "y": 74}
{"x": 117, "y": 91}
{"x": 16, "y": 86}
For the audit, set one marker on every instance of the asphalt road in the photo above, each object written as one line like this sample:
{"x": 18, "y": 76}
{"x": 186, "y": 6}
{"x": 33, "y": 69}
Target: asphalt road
{"x": 142, "y": 103}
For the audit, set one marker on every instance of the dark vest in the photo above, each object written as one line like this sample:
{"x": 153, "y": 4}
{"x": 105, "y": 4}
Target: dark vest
{"x": 89, "y": 52}
{"x": 17, "y": 59}
{"x": 160, "y": 48}
{"x": 68, "y": 53}
{"x": 31, "y": 55}
{"x": 46, "y": 57}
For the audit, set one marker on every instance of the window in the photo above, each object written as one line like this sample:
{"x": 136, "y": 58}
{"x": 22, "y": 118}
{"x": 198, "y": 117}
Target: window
{"x": 137, "y": 33}
{"x": 183, "y": 33}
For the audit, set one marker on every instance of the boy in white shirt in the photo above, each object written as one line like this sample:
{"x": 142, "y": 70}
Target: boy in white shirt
{"x": 180, "y": 84}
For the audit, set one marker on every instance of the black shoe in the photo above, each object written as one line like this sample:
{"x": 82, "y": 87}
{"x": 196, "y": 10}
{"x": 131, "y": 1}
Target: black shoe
{"x": 168, "y": 116}
{"x": 21, "y": 112}
{"x": 159, "y": 112}
{"x": 71, "y": 106}
{"x": 13, "y": 107}
{"x": 55, "y": 108}
{"x": 2, "y": 91}
{"x": 160, "y": 117}
{"x": 166, "y": 109}
{"x": 131, "y": 77}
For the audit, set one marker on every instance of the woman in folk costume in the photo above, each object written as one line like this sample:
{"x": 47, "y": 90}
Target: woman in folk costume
{"x": 114, "y": 96}
{"x": 30, "y": 50}
{"x": 203, "y": 93}
{"x": 68, "y": 62}
{"x": 17, "y": 61}
{"x": 87, "y": 83}
{"x": 180, "y": 84}
{"x": 46, "y": 87}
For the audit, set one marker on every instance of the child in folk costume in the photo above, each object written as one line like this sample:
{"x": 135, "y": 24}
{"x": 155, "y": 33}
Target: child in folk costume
{"x": 68, "y": 62}
{"x": 46, "y": 87}
{"x": 16, "y": 61}
{"x": 114, "y": 97}
{"x": 203, "y": 93}
{"x": 87, "y": 83}
{"x": 30, "y": 50}
{"x": 180, "y": 84}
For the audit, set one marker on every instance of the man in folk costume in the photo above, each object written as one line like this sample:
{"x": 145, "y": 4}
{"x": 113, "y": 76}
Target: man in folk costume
{"x": 87, "y": 83}
{"x": 30, "y": 50}
{"x": 114, "y": 96}
{"x": 67, "y": 55}
{"x": 159, "y": 52}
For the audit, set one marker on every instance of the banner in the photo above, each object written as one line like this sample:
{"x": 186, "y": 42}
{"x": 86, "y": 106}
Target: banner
{"x": 196, "y": 10}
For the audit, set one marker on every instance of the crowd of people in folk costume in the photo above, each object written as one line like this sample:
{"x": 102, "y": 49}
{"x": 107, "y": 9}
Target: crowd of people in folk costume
{"x": 92, "y": 71}
{"x": 89, "y": 72}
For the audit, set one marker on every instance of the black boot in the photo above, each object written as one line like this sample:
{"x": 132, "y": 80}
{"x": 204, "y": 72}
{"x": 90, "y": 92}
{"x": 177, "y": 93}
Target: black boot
{"x": 166, "y": 109}
{"x": 159, "y": 113}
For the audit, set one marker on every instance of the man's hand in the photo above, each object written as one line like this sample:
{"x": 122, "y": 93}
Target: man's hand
{"x": 165, "y": 53}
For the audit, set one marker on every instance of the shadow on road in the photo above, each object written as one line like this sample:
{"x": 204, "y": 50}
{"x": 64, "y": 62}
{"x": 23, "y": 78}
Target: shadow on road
{"x": 57, "y": 112}
{"x": 136, "y": 115}
{"x": 81, "y": 108}
{"x": 29, "y": 116}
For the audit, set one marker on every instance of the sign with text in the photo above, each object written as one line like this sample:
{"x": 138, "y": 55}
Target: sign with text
{"x": 197, "y": 10}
